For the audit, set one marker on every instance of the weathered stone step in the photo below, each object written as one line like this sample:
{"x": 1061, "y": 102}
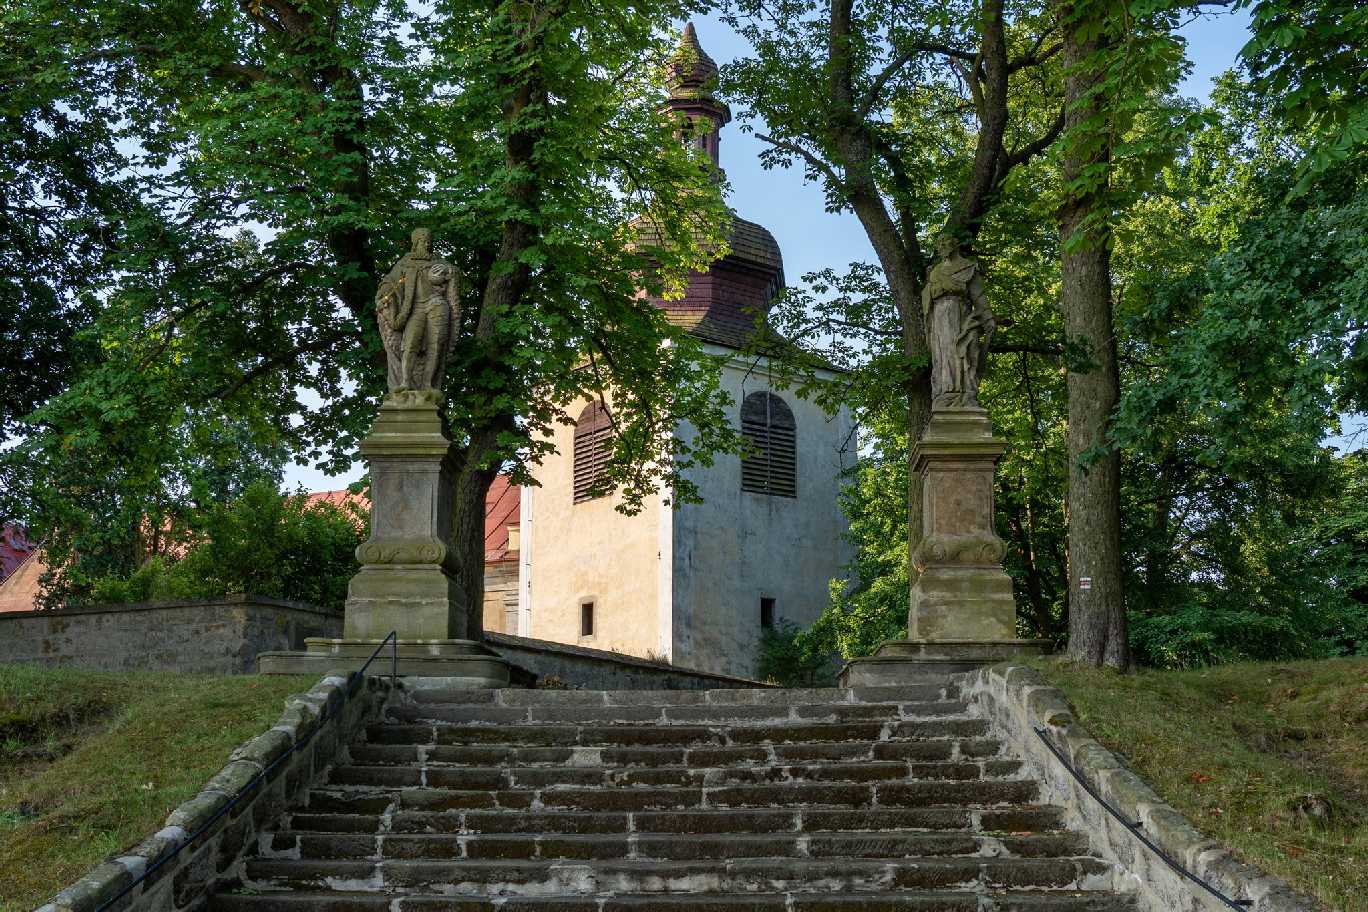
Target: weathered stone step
{"x": 850, "y": 844}
{"x": 549, "y": 735}
{"x": 926, "y": 749}
{"x": 466, "y": 777}
{"x": 910, "y": 693}
{"x": 708, "y": 714}
{"x": 1021, "y": 819}
{"x": 652, "y": 876}
{"x": 921, "y": 901}
{"x": 907, "y": 793}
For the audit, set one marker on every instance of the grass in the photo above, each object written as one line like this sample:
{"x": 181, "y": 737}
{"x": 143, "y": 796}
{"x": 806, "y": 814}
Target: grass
{"x": 91, "y": 762}
{"x": 1253, "y": 754}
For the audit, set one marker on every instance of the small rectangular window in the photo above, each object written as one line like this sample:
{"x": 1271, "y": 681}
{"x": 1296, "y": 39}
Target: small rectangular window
{"x": 514, "y": 538}
{"x": 587, "y": 619}
{"x": 767, "y": 613}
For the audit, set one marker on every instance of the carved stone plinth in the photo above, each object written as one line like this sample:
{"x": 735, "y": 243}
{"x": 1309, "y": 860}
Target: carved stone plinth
{"x": 962, "y": 614}
{"x": 407, "y": 580}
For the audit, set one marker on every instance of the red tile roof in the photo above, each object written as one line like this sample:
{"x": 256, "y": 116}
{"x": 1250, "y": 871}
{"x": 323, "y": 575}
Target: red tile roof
{"x": 14, "y": 549}
{"x": 503, "y": 503}
{"x": 503, "y": 508}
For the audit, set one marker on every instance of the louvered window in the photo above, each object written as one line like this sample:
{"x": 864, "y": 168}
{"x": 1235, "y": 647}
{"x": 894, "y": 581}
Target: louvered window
{"x": 772, "y": 464}
{"x": 593, "y": 443}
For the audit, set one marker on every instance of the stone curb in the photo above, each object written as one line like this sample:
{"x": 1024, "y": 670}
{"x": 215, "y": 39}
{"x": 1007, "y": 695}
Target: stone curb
{"x": 210, "y": 858}
{"x": 1018, "y": 700}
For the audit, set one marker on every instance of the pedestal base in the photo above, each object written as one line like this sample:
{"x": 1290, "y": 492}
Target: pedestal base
{"x": 462, "y": 663}
{"x": 904, "y": 661}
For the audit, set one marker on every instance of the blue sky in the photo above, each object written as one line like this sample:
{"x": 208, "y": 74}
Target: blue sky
{"x": 814, "y": 239}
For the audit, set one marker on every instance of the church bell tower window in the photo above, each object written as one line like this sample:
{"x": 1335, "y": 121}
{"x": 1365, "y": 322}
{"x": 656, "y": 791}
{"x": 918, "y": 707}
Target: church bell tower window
{"x": 771, "y": 466}
{"x": 593, "y": 444}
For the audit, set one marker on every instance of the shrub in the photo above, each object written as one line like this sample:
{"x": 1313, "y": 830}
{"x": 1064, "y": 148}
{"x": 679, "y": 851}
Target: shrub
{"x": 792, "y": 657}
{"x": 263, "y": 543}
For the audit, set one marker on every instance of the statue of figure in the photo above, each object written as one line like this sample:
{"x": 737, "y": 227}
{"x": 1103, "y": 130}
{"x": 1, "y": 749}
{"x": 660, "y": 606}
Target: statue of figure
{"x": 959, "y": 326}
{"x": 418, "y": 310}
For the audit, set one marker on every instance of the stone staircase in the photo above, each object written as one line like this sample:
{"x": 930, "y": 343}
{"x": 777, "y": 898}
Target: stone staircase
{"x": 863, "y": 800}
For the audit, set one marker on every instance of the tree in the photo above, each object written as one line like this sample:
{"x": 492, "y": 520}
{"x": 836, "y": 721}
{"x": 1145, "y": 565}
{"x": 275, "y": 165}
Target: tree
{"x": 528, "y": 136}
{"x": 1309, "y": 56}
{"x": 58, "y": 212}
{"x": 1097, "y": 612}
{"x": 914, "y": 118}
{"x": 1240, "y": 318}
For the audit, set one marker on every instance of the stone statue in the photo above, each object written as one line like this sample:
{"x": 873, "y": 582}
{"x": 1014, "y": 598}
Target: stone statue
{"x": 959, "y": 326}
{"x": 418, "y": 309}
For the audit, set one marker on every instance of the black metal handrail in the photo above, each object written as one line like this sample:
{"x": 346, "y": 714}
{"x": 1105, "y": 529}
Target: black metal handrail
{"x": 348, "y": 691}
{"x": 1134, "y": 827}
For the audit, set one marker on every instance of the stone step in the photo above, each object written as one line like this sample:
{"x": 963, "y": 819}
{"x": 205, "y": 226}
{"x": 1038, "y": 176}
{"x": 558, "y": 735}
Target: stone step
{"x": 467, "y": 777}
{"x": 910, "y": 693}
{"x": 708, "y": 714}
{"x": 1020, "y": 819}
{"x": 524, "y": 877}
{"x": 551, "y": 735}
{"x": 926, "y": 749}
{"x": 920, "y": 901}
{"x": 906, "y": 793}
{"x": 691, "y": 847}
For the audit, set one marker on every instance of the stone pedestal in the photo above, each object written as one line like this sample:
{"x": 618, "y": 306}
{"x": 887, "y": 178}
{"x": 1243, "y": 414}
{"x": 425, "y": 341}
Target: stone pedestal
{"x": 962, "y": 614}
{"x": 407, "y": 580}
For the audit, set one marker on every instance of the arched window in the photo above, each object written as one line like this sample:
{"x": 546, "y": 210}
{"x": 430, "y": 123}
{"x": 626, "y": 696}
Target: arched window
{"x": 593, "y": 443}
{"x": 772, "y": 466}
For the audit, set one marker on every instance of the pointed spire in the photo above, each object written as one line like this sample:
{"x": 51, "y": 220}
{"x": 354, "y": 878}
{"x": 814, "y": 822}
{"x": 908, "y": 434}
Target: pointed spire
{"x": 691, "y": 76}
{"x": 690, "y": 72}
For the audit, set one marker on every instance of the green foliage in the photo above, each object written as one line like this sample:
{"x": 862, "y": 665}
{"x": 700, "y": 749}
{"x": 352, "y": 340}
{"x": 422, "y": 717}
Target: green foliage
{"x": 1238, "y": 323}
{"x": 790, "y": 658}
{"x": 276, "y": 157}
{"x": 262, "y": 543}
{"x": 1308, "y": 57}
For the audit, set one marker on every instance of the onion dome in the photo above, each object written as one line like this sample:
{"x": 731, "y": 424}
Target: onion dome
{"x": 728, "y": 304}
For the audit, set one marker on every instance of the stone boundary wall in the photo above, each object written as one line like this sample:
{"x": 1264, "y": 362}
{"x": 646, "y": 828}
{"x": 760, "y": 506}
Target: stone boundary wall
{"x": 206, "y": 636}
{"x": 1018, "y": 700}
{"x": 598, "y": 669}
{"x": 321, "y": 719}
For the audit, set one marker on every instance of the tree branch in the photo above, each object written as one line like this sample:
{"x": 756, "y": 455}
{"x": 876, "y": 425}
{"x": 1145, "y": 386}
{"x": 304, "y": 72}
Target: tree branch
{"x": 809, "y": 157}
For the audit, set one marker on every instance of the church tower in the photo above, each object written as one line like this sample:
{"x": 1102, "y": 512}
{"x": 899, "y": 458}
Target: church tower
{"x": 724, "y": 304}
{"x": 697, "y": 584}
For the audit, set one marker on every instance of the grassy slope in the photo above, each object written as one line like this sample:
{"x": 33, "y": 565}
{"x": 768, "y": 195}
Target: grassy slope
{"x": 1237, "y": 748}
{"x": 91, "y": 763}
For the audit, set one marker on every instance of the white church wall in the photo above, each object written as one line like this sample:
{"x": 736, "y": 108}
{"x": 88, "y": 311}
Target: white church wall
{"x": 738, "y": 547}
{"x": 575, "y": 553}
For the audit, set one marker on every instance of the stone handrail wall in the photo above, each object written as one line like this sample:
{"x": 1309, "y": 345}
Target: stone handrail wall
{"x": 323, "y": 720}
{"x": 1018, "y": 700}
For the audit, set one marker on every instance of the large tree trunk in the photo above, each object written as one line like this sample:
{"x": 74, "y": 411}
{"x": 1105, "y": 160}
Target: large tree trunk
{"x": 469, "y": 490}
{"x": 1097, "y": 618}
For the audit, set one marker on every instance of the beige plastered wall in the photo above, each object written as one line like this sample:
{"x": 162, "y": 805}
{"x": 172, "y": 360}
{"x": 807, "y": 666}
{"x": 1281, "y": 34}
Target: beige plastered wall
{"x": 588, "y": 552}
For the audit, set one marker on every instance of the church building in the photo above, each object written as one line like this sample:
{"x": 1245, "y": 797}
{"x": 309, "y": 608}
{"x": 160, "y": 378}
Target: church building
{"x": 696, "y": 584}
